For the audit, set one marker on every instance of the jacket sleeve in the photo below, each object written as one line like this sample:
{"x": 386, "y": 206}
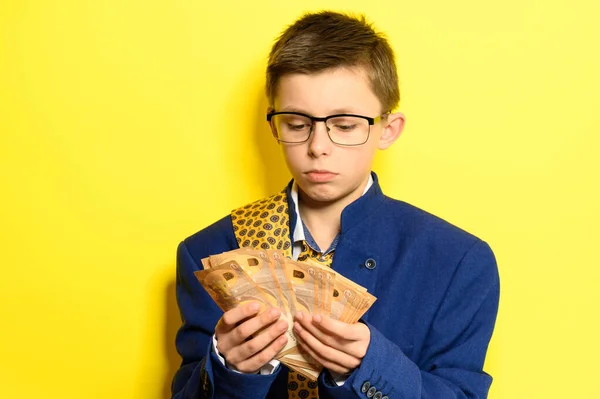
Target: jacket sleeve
{"x": 451, "y": 362}
{"x": 201, "y": 374}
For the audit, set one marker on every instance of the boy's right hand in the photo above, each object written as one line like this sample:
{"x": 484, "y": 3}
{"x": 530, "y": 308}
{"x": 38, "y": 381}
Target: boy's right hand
{"x": 235, "y": 341}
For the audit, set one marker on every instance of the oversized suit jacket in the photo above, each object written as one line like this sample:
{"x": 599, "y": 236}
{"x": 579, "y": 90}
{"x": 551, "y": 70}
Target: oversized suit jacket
{"x": 437, "y": 288}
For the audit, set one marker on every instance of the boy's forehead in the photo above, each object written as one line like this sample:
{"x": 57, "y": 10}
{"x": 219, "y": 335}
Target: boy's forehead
{"x": 339, "y": 90}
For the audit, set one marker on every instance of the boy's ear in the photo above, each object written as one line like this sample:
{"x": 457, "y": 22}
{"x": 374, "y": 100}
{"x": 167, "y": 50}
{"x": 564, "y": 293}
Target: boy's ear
{"x": 392, "y": 130}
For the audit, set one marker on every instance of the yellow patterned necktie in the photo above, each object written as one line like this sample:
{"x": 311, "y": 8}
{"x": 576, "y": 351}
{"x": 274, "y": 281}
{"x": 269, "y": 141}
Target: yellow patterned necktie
{"x": 264, "y": 224}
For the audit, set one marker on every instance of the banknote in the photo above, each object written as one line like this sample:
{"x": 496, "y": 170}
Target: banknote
{"x": 278, "y": 265}
{"x": 266, "y": 276}
{"x": 303, "y": 279}
{"x": 229, "y": 286}
{"x": 326, "y": 279}
{"x": 301, "y": 357}
{"x": 367, "y": 302}
{"x": 309, "y": 372}
{"x": 263, "y": 267}
{"x": 255, "y": 264}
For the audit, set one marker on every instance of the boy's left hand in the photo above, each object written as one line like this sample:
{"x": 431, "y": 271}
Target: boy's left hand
{"x": 338, "y": 346}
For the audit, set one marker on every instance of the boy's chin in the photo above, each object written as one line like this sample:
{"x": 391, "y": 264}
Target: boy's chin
{"x": 324, "y": 194}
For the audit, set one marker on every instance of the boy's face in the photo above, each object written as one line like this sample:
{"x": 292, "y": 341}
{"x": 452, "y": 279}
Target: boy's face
{"x": 326, "y": 172}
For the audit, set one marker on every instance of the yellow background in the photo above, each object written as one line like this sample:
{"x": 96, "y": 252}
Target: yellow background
{"x": 126, "y": 126}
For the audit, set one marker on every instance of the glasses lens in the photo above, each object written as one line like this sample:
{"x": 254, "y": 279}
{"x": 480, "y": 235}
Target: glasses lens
{"x": 292, "y": 128}
{"x": 348, "y": 130}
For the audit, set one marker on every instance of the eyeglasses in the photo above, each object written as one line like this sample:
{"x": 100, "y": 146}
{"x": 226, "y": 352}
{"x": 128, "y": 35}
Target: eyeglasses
{"x": 343, "y": 129}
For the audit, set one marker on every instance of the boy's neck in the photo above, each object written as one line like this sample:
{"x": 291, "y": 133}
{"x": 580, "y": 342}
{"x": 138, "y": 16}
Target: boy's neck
{"x": 323, "y": 219}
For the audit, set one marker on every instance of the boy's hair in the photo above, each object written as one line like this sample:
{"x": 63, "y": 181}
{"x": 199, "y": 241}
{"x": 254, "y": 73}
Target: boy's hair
{"x": 325, "y": 40}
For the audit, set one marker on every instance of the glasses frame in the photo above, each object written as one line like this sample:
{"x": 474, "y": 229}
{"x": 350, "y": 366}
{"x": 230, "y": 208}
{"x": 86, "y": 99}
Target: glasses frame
{"x": 314, "y": 119}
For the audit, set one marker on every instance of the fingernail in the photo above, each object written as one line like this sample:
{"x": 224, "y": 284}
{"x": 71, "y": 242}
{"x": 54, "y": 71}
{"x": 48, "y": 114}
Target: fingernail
{"x": 299, "y": 315}
{"x": 254, "y": 306}
{"x": 274, "y": 312}
{"x": 317, "y": 318}
{"x": 297, "y": 326}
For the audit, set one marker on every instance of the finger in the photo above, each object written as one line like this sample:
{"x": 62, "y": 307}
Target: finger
{"x": 328, "y": 364}
{"x": 353, "y": 348}
{"x": 351, "y": 332}
{"x": 254, "y": 363}
{"x": 355, "y": 338}
{"x": 232, "y": 317}
{"x": 255, "y": 345}
{"x": 329, "y": 357}
{"x": 245, "y": 330}
{"x": 306, "y": 322}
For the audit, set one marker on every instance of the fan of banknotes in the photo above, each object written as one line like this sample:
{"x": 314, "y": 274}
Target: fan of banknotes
{"x": 268, "y": 277}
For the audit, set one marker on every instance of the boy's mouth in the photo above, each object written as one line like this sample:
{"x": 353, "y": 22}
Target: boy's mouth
{"x": 320, "y": 175}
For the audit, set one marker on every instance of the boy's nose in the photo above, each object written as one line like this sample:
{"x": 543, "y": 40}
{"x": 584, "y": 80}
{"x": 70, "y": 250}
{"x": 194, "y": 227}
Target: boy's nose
{"x": 319, "y": 143}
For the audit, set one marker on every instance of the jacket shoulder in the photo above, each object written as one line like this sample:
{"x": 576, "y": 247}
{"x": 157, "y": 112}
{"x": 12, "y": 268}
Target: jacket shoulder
{"x": 213, "y": 239}
{"x": 441, "y": 246}
{"x": 422, "y": 225}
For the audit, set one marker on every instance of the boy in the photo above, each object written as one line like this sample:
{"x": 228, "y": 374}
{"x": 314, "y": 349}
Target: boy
{"x": 332, "y": 86}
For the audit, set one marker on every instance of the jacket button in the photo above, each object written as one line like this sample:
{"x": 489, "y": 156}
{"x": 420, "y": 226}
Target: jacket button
{"x": 370, "y": 264}
{"x": 385, "y": 397}
{"x": 371, "y": 392}
{"x": 377, "y": 395}
{"x": 365, "y": 387}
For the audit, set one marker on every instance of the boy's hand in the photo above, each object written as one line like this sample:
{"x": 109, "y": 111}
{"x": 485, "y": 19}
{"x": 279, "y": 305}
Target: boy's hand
{"x": 235, "y": 342}
{"x": 338, "y": 346}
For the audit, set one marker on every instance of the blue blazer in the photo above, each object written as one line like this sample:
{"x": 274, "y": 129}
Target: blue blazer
{"x": 437, "y": 288}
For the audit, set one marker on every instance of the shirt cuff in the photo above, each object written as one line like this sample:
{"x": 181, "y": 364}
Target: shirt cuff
{"x": 267, "y": 369}
{"x": 339, "y": 379}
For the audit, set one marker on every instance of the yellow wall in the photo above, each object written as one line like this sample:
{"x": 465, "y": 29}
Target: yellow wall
{"x": 126, "y": 126}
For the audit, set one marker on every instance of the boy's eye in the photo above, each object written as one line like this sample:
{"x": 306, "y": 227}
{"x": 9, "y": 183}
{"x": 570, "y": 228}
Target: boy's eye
{"x": 345, "y": 128}
{"x": 298, "y": 126}
{"x": 292, "y": 123}
{"x": 344, "y": 124}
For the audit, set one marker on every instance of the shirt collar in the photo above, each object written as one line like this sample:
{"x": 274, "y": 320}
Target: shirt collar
{"x": 298, "y": 233}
